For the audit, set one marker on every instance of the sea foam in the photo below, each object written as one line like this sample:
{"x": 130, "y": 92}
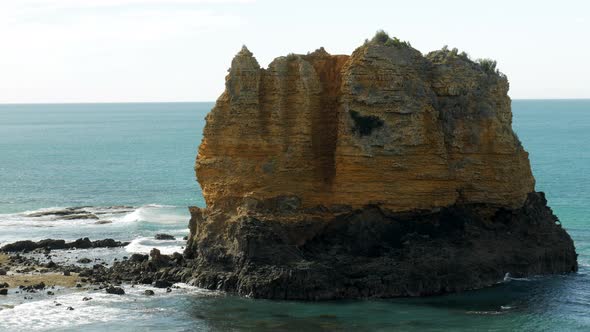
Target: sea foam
{"x": 143, "y": 245}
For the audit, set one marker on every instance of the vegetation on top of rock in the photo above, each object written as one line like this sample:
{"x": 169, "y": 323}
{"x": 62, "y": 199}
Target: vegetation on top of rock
{"x": 444, "y": 55}
{"x": 382, "y": 37}
{"x": 292, "y": 56}
{"x": 454, "y": 52}
{"x": 488, "y": 65}
{"x": 319, "y": 52}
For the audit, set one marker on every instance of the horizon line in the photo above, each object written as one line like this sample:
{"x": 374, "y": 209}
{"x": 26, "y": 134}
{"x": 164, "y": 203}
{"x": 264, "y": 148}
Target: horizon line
{"x": 207, "y": 101}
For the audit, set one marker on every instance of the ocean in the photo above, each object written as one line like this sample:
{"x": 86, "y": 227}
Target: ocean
{"x": 132, "y": 164}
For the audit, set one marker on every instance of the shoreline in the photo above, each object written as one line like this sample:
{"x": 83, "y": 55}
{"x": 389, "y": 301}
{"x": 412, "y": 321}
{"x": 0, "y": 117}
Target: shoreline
{"x": 23, "y": 273}
{"x": 28, "y": 267}
{"x": 282, "y": 274}
{"x": 115, "y": 278}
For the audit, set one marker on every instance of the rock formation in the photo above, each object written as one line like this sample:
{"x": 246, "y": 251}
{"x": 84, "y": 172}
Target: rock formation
{"x": 384, "y": 173}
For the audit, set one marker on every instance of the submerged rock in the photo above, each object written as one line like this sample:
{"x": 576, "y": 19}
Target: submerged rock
{"x": 38, "y": 286}
{"x": 138, "y": 258}
{"x": 108, "y": 243}
{"x": 103, "y": 222}
{"x": 164, "y": 237}
{"x": 115, "y": 290}
{"x": 50, "y": 244}
{"x": 64, "y": 213}
{"x": 162, "y": 284}
{"x": 79, "y": 216}
{"x": 84, "y": 243}
{"x": 385, "y": 173}
{"x": 50, "y": 265}
{"x": 18, "y": 246}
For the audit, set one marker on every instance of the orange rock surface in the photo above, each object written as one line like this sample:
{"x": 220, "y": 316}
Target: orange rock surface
{"x": 381, "y": 174}
{"x": 385, "y": 126}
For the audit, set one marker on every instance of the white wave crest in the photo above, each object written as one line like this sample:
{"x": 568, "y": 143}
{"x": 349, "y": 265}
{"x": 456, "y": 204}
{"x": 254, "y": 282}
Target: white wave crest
{"x": 154, "y": 213}
{"x": 55, "y": 216}
{"x": 43, "y": 314}
{"x": 143, "y": 245}
{"x": 509, "y": 278}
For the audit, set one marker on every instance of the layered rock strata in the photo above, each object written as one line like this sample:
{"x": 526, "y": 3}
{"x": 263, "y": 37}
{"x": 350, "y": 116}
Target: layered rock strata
{"x": 384, "y": 173}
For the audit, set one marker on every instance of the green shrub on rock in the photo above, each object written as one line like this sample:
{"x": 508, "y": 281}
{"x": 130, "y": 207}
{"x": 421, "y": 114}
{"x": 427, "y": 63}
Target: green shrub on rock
{"x": 488, "y": 65}
{"x": 382, "y": 37}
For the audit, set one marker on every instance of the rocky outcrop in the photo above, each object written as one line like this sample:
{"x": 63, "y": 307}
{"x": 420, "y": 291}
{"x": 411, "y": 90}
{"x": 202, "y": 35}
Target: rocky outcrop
{"x": 384, "y": 126}
{"x": 384, "y": 173}
{"x": 51, "y": 244}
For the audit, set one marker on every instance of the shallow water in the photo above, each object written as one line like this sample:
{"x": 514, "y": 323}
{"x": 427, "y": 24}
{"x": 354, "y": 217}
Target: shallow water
{"x": 141, "y": 156}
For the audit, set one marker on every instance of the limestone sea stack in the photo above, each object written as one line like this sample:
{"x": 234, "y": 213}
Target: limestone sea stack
{"x": 381, "y": 174}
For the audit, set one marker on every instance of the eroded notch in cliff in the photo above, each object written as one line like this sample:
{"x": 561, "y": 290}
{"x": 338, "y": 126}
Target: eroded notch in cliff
{"x": 364, "y": 125}
{"x": 325, "y": 121}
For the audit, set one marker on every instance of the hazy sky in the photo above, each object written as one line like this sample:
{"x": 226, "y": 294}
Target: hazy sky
{"x": 179, "y": 50}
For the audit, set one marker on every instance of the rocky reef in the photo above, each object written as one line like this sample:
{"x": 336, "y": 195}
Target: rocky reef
{"x": 380, "y": 174}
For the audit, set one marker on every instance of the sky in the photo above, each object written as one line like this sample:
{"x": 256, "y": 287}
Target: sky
{"x": 54, "y": 51}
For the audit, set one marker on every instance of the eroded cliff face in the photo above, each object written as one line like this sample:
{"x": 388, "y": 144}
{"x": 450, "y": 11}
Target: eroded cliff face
{"x": 384, "y": 126}
{"x": 384, "y": 173}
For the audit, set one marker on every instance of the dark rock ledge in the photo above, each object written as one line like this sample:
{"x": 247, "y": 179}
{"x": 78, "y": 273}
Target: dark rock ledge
{"x": 372, "y": 253}
{"x": 51, "y": 244}
{"x": 363, "y": 253}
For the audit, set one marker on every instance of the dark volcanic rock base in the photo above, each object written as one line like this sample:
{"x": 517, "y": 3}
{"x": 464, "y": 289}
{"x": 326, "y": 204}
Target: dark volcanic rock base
{"x": 370, "y": 252}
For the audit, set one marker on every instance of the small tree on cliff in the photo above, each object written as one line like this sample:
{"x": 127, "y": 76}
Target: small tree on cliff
{"x": 382, "y": 37}
{"x": 488, "y": 65}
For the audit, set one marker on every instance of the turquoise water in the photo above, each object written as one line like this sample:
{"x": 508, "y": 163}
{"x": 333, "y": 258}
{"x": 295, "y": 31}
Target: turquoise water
{"x": 99, "y": 154}
{"x": 142, "y": 156}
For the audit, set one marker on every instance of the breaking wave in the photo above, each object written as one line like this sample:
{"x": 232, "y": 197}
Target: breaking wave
{"x": 164, "y": 214}
{"x": 95, "y": 222}
{"x": 55, "y": 216}
{"x": 143, "y": 245}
